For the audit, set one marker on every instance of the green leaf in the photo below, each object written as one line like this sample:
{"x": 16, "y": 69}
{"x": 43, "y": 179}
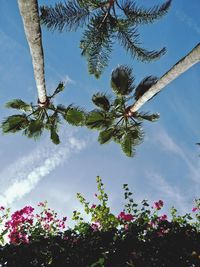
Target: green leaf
{"x": 105, "y": 136}
{"x": 34, "y": 129}
{"x": 59, "y": 89}
{"x": 122, "y": 80}
{"x": 127, "y": 145}
{"x": 75, "y": 116}
{"x": 54, "y": 136}
{"x": 146, "y": 116}
{"x": 14, "y": 123}
{"x": 101, "y": 101}
{"x": 19, "y": 104}
{"x": 98, "y": 120}
{"x": 144, "y": 86}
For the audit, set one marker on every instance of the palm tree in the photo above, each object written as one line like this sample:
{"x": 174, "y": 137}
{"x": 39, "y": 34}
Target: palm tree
{"x": 121, "y": 122}
{"x": 106, "y": 21}
{"x": 33, "y": 119}
{"x": 112, "y": 117}
{"x": 192, "y": 58}
{"x": 30, "y": 17}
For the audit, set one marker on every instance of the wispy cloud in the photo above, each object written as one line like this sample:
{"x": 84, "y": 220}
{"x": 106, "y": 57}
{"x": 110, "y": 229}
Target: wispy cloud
{"x": 169, "y": 192}
{"x": 169, "y": 144}
{"x": 22, "y": 180}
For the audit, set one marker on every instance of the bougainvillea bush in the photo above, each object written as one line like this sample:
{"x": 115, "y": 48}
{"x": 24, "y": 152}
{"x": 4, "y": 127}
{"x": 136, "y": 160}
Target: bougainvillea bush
{"x": 139, "y": 236}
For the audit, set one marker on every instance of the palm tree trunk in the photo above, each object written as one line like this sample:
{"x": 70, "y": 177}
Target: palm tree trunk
{"x": 31, "y": 21}
{"x": 180, "y": 67}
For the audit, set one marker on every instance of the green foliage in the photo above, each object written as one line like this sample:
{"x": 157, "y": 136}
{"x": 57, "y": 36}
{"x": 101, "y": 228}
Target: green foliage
{"x": 122, "y": 81}
{"x": 105, "y": 21}
{"x": 75, "y": 116}
{"x": 98, "y": 119}
{"x": 14, "y": 123}
{"x": 18, "y": 104}
{"x": 101, "y": 101}
{"x": 114, "y": 119}
{"x": 37, "y": 118}
{"x": 144, "y": 86}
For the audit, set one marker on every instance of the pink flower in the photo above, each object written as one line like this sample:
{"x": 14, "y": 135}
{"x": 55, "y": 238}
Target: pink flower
{"x": 64, "y": 219}
{"x": 158, "y": 205}
{"x": 163, "y": 217}
{"x": 96, "y": 226}
{"x": 41, "y": 204}
{"x": 125, "y": 217}
{"x": 195, "y": 209}
{"x": 2, "y": 208}
{"x": 93, "y": 206}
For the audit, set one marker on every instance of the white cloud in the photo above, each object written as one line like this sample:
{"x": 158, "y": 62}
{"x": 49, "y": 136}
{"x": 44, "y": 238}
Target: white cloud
{"x": 191, "y": 160}
{"x": 21, "y": 180}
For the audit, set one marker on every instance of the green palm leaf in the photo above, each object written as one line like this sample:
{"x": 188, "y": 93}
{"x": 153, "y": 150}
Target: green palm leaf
{"x": 146, "y": 116}
{"x": 105, "y": 136}
{"x": 75, "y": 116}
{"x": 54, "y": 136}
{"x": 122, "y": 80}
{"x": 144, "y": 86}
{"x": 14, "y": 123}
{"x": 97, "y": 120}
{"x": 34, "y": 129}
{"x": 18, "y": 104}
{"x": 101, "y": 101}
{"x": 127, "y": 145}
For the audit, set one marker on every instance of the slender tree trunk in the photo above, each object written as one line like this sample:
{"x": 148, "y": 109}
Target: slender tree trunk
{"x": 31, "y": 21}
{"x": 180, "y": 67}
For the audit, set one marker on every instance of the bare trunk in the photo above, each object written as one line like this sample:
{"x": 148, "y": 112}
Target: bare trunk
{"x": 31, "y": 21}
{"x": 180, "y": 67}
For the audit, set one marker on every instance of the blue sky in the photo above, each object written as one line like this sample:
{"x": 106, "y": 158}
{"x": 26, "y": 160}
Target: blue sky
{"x": 166, "y": 165}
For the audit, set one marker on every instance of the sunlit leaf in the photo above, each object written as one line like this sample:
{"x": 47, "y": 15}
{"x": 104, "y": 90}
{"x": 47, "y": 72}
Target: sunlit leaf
{"x": 18, "y": 104}
{"x": 75, "y": 116}
{"x": 14, "y": 123}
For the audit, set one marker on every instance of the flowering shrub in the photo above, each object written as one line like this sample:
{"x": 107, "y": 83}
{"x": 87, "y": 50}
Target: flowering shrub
{"x": 139, "y": 236}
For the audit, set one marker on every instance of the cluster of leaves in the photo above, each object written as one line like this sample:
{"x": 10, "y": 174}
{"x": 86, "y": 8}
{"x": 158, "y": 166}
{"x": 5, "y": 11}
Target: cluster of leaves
{"x": 113, "y": 117}
{"x": 34, "y": 119}
{"x": 105, "y": 22}
{"x": 139, "y": 236}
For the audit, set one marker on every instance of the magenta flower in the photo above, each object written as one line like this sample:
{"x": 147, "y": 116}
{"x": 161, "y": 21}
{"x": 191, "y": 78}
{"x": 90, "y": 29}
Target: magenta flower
{"x": 163, "y": 217}
{"x": 93, "y": 206}
{"x": 158, "y": 205}
{"x": 195, "y": 209}
{"x": 96, "y": 226}
{"x": 125, "y": 217}
{"x": 2, "y": 208}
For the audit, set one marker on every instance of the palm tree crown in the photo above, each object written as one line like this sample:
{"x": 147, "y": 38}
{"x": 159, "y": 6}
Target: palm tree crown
{"x": 113, "y": 117}
{"x": 105, "y": 22}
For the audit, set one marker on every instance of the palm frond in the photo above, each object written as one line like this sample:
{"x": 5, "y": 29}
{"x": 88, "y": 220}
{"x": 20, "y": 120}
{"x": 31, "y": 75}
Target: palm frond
{"x": 75, "y": 116}
{"x": 96, "y": 44}
{"x": 127, "y": 145}
{"x": 98, "y": 119}
{"x": 14, "y": 123}
{"x": 144, "y": 86}
{"x": 105, "y": 136}
{"x": 101, "y": 101}
{"x": 138, "y": 15}
{"x": 147, "y": 116}
{"x": 129, "y": 39}
{"x": 34, "y": 129}
{"x": 54, "y": 136}
{"x": 19, "y": 104}
{"x": 122, "y": 80}
{"x": 65, "y": 16}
